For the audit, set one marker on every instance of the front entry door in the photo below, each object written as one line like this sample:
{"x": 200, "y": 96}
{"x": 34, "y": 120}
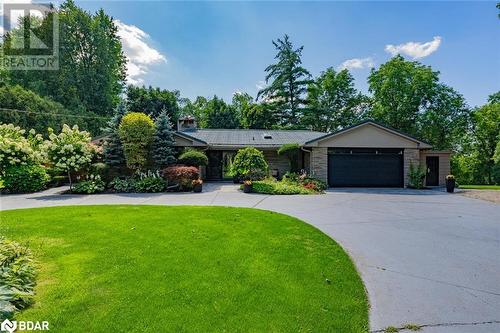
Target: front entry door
{"x": 432, "y": 176}
{"x": 214, "y": 168}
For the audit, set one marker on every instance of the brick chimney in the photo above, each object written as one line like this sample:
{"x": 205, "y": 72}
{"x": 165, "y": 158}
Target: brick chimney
{"x": 186, "y": 124}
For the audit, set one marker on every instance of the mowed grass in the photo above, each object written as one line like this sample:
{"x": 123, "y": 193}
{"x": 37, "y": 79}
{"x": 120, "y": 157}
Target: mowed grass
{"x": 480, "y": 187}
{"x": 186, "y": 269}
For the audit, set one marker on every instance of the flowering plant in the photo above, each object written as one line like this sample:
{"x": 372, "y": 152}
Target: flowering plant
{"x": 197, "y": 182}
{"x": 70, "y": 150}
{"x": 91, "y": 184}
{"x": 16, "y": 148}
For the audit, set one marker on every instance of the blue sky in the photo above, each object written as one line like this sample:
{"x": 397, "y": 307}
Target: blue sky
{"x": 207, "y": 48}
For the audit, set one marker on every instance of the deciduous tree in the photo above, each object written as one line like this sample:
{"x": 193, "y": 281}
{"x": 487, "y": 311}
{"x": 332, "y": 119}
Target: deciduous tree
{"x": 401, "y": 91}
{"x": 332, "y": 102}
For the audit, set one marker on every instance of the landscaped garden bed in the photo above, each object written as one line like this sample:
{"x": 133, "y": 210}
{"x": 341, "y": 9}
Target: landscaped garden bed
{"x": 191, "y": 269}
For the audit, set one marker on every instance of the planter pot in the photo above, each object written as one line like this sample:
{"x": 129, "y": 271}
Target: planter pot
{"x": 236, "y": 179}
{"x": 197, "y": 188}
{"x": 450, "y": 185}
{"x": 247, "y": 188}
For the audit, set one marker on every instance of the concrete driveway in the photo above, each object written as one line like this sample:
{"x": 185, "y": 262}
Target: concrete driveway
{"x": 426, "y": 257}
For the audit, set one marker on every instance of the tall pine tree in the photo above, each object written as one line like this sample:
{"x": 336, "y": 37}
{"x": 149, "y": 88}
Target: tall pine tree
{"x": 288, "y": 83}
{"x": 163, "y": 142}
{"x": 113, "y": 150}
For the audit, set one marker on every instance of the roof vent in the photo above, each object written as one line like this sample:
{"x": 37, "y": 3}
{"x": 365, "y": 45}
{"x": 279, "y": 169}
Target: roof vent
{"x": 267, "y": 136}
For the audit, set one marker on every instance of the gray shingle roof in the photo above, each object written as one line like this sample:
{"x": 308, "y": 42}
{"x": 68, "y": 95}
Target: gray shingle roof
{"x": 251, "y": 137}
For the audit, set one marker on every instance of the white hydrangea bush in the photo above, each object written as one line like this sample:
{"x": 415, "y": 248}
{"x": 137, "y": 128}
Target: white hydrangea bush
{"x": 17, "y": 148}
{"x": 71, "y": 150}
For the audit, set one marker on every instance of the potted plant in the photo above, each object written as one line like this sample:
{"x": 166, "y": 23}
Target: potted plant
{"x": 197, "y": 185}
{"x": 450, "y": 183}
{"x": 247, "y": 186}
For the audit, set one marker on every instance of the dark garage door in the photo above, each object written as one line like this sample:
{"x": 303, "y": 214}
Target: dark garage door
{"x": 365, "y": 167}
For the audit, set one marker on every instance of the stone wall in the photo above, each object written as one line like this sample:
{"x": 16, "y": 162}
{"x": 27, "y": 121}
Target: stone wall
{"x": 276, "y": 161}
{"x": 411, "y": 156}
{"x": 319, "y": 163}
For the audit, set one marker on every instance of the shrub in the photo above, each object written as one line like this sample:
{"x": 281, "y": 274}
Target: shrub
{"x": 17, "y": 278}
{"x": 314, "y": 183}
{"x": 25, "y": 178}
{"x": 181, "y": 175}
{"x": 308, "y": 182}
{"x": 291, "y": 177}
{"x": 249, "y": 163}
{"x": 416, "y": 176}
{"x": 92, "y": 184}
{"x": 291, "y": 151}
{"x": 192, "y": 157}
{"x": 123, "y": 185}
{"x": 271, "y": 186}
{"x": 70, "y": 150}
{"x": 16, "y": 148}
{"x": 136, "y": 132}
{"x": 150, "y": 182}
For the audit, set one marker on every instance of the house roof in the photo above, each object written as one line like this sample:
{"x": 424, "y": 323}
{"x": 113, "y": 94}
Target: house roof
{"x": 373, "y": 123}
{"x": 251, "y": 137}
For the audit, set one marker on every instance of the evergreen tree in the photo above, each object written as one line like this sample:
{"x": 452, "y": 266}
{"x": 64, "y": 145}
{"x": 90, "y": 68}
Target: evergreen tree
{"x": 163, "y": 142}
{"x": 289, "y": 83}
{"x": 113, "y": 150}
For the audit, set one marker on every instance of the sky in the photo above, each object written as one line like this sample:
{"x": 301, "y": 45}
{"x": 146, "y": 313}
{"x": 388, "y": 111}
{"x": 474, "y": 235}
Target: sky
{"x": 220, "y": 47}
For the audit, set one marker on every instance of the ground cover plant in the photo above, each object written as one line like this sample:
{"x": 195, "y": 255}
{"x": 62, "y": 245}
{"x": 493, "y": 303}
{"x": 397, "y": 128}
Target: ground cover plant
{"x": 292, "y": 183}
{"x": 17, "y": 277}
{"x": 186, "y": 269}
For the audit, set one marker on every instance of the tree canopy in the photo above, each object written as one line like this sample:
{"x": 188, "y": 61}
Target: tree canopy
{"x": 91, "y": 71}
{"x": 153, "y": 101}
{"x": 332, "y": 102}
{"x": 401, "y": 90}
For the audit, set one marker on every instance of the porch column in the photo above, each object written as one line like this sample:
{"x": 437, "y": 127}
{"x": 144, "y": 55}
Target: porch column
{"x": 411, "y": 156}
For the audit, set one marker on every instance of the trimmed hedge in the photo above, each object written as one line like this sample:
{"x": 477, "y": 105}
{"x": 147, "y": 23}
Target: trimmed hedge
{"x": 193, "y": 157}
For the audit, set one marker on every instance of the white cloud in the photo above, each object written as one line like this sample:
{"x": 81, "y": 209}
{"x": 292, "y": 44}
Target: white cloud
{"x": 416, "y": 50}
{"x": 140, "y": 54}
{"x": 357, "y": 63}
{"x": 260, "y": 85}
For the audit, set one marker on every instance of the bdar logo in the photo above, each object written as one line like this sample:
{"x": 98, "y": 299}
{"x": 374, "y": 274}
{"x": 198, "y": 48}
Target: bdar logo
{"x": 8, "y": 326}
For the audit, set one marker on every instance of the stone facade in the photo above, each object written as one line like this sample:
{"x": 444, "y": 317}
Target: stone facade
{"x": 319, "y": 163}
{"x": 411, "y": 156}
{"x": 276, "y": 162}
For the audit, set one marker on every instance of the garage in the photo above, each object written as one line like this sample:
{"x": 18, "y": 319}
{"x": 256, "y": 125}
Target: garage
{"x": 365, "y": 167}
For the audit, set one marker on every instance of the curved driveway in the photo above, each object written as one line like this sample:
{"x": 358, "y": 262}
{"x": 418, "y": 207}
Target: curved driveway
{"x": 426, "y": 257}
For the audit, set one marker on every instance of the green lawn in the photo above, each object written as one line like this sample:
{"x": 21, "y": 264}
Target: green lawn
{"x": 480, "y": 187}
{"x": 186, "y": 269}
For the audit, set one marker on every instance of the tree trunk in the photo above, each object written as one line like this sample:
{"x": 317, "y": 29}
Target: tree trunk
{"x": 70, "y": 183}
